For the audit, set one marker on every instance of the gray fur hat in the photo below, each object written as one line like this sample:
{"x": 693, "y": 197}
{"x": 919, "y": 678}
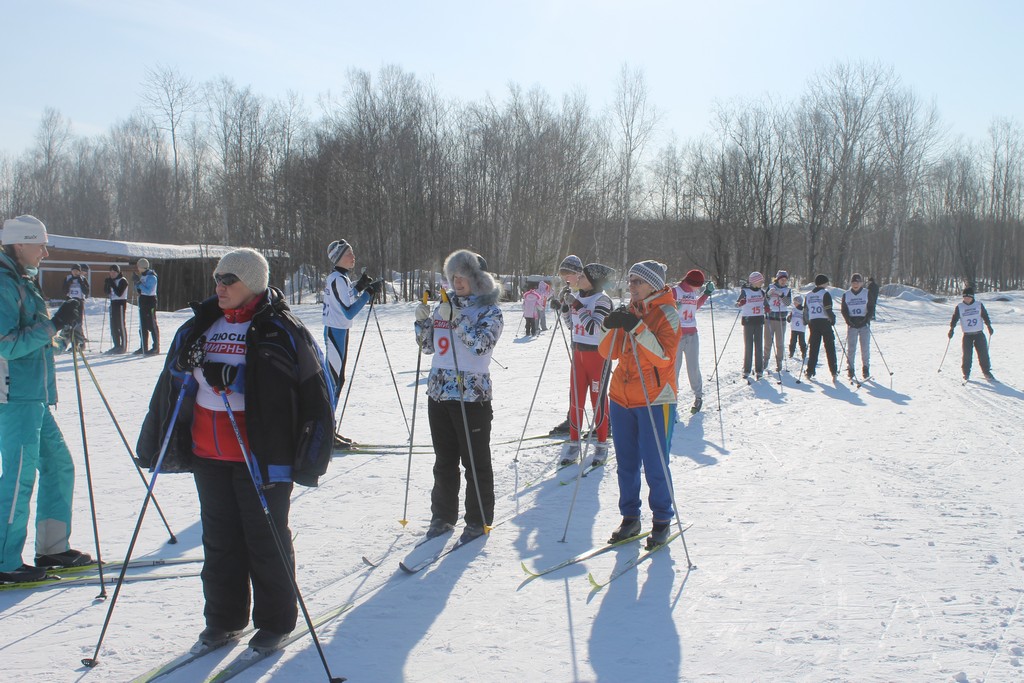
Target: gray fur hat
{"x": 471, "y": 265}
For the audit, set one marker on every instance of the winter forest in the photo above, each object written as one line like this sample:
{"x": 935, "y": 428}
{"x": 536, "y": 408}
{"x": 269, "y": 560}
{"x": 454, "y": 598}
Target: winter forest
{"x": 857, "y": 173}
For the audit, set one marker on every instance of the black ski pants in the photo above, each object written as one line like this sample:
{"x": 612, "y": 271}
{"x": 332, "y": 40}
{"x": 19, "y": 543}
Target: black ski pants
{"x": 822, "y": 332}
{"x": 448, "y": 434}
{"x": 240, "y": 549}
{"x": 795, "y": 337}
{"x": 976, "y": 341}
{"x": 753, "y": 344}
{"x": 147, "y": 322}
{"x": 118, "y": 332}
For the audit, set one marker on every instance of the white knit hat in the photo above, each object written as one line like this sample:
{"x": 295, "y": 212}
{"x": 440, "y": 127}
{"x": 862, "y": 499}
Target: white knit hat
{"x": 142, "y": 263}
{"x": 337, "y": 249}
{"x": 250, "y": 267}
{"x": 24, "y": 230}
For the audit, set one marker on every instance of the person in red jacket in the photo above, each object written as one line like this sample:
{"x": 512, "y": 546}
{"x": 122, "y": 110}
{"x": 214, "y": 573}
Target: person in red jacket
{"x": 643, "y": 397}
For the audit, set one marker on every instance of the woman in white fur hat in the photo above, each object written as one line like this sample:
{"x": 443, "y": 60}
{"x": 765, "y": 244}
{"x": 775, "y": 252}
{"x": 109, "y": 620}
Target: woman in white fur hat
{"x": 461, "y": 334}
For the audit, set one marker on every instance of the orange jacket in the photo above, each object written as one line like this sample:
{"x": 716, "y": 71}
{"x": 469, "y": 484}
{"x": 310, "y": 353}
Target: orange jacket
{"x": 656, "y": 340}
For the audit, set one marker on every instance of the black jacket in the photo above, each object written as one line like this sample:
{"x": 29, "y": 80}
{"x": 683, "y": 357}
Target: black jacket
{"x": 288, "y": 410}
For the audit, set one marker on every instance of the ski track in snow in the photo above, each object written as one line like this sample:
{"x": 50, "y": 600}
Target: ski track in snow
{"x": 839, "y": 535}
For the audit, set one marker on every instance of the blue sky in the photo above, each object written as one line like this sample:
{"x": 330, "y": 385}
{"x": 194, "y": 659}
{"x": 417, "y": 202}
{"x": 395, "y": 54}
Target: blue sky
{"x": 87, "y": 58}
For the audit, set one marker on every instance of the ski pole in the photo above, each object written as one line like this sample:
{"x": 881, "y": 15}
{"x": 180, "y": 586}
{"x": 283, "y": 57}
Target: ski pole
{"x": 173, "y": 539}
{"x": 355, "y": 366}
{"x": 257, "y": 482}
{"x": 465, "y": 419}
{"x": 948, "y": 340}
{"x": 718, "y": 384}
{"x": 94, "y": 660}
{"x": 729, "y": 336}
{"x": 391, "y": 370}
{"x": 840, "y": 340}
{"x": 601, "y": 397}
{"x": 103, "y": 321}
{"x": 662, "y": 456}
{"x": 529, "y": 412}
{"x": 879, "y": 349}
{"x": 75, "y": 352}
{"x": 412, "y": 430}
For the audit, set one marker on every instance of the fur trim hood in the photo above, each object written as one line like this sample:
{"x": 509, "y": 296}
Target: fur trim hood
{"x": 473, "y": 266}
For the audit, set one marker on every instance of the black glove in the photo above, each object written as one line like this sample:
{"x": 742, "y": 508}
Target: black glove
{"x": 622, "y": 319}
{"x": 832, "y": 318}
{"x": 565, "y": 308}
{"x": 950, "y": 335}
{"x": 575, "y": 304}
{"x": 375, "y": 288}
{"x": 191, "y": 357}
{"x": 68, "y": 315}
{"x": 362, "y": 283}
{"x": 220, "y": 375}
{"x": 991, "y": 331}
{"x": 108, "y": 286}
{"x": 555, "y": 304}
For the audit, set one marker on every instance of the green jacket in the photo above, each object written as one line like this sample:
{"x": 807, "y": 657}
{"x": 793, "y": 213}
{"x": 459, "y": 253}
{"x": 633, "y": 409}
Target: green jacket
{"x": 26, "y": 339}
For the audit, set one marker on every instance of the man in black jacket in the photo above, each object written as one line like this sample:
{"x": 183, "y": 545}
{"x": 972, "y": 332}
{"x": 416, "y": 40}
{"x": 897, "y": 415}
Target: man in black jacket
{"x": 116, "y": 288}
{"x": 246, "y": 349}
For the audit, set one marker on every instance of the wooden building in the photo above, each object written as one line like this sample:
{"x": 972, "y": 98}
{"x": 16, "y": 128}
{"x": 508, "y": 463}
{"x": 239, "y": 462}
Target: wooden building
{"x": 185, "y": 271}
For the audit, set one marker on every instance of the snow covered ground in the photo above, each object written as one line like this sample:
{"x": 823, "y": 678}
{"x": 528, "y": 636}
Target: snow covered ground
{"x": 839, "y": 535}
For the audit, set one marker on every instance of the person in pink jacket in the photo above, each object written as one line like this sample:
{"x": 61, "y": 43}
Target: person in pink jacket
{"x": 532, "y": 303}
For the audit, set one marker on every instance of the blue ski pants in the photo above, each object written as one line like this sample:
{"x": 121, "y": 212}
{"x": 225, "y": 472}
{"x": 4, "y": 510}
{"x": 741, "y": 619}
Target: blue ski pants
{"x": 636, "y": 445}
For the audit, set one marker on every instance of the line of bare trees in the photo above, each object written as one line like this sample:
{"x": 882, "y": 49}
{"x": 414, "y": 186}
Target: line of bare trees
{"x": 856, "y": 174}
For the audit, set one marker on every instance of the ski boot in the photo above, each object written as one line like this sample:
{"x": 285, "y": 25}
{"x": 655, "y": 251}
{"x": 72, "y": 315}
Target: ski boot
{"x": 438, "y": 527}
{"x": 23, "y": 574}
{"x": 266, "y": 641}
{"x": 698, "y": 403}
{"x": 68, "y": 558}
{"x": 629, "y": 527}
{"x": 659, "y": 535}
{"x": 213, "y": 637}
{"x": 600, "y": 454}
{"x": 470, "y": 532}
{"x": 572, "y": 454}
{"x": 562, "y": 428}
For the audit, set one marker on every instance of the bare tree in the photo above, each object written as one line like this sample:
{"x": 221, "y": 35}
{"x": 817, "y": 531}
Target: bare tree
{"x": 172, "y": 96}
{"x": 635, "y": 119}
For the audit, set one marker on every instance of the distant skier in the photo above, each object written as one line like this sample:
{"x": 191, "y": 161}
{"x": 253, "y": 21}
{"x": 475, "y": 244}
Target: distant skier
{"x": 461, "y": 332}
{"x": 690, "y": 294}
{"x": 76, "y": 286}
{"x": 873, "y": 296}
{"x": 821, "y": 320}
{"x": 797, "y": 325}
{"x": 532, "y": 306}
{"x": 752, "y": 304}
{"x": 544, "y": 289}
{"x": 570, "y": 270}
{"x": 777, "y": 302}
{"x": 146, "y": 282}
{"x": 971, "y": 314}
{"x": 116, "y": 287}
{"x": 857, "y": 312}
{"x": 584, "y": 314}
{"x": 643, "y": 338}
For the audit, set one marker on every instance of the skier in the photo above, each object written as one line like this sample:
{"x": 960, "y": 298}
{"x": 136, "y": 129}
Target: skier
{"x": 244, "y": 343}
{"x": 690, "y": 294}
{"x": 797, "y": 325}
{"x": 873, "y": 296}
{"x": 569, "y": 270}
{"x": 751, "y": 304}
{"x": 778, "y": 300}
{"x": 647, "y": 330}
{"x": 821, "y": 320}
{"x": 971, "y": 314}
{"x": 116, "y": 288}
{"x": 858, "y": 313}
{"x": 544, "y": 289}
{"x": 76, "y": 286}
{"x": 342, "y": 302}
{"x": 461, "y": 334}
{"x": 145, "y": 280}
{"x": 532, "y": 305}
{"x": 30, "y": 439}
{"x": 583, "y": 314}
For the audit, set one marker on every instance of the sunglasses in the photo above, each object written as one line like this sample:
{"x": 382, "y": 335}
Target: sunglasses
{"x": 226, "y": 279}
{"x": 636, "y": 281}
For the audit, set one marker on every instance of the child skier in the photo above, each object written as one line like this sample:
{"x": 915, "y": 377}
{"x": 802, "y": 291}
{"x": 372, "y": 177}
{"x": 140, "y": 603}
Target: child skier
{"x": 821, "y": 320}
{"x": 751, "y": 305}
{"x": 584, "y": 313}
{"x": 779, "y": 297}
{"x": 690, "y": 294}
{"x": 643, "y": 338}
{"x": 797, "y": 325}
{"x": 971, "y": 314}
{"x": 76, "y": 286}
{"x": 531, "y": 306}
{"x": 460, "y": 334}
{"x": 569, "y": 271}
{"x": 858, "y": 312}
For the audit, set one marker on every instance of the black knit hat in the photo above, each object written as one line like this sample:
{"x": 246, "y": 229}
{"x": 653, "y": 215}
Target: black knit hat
{"x": 598, "y": 274}
{"x": 820, "y": 280}
{"x": 969, "y": 291}
{"x": 116, "y": 268}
